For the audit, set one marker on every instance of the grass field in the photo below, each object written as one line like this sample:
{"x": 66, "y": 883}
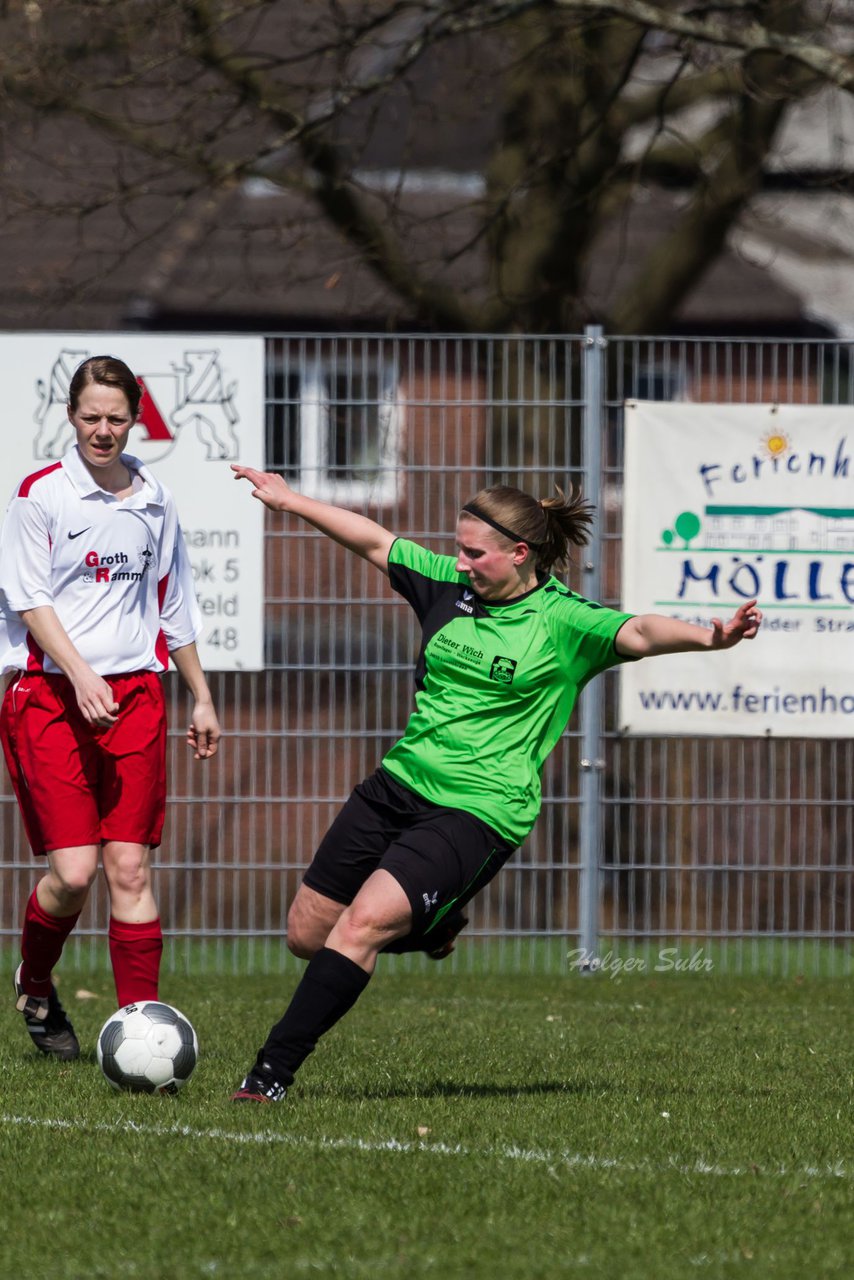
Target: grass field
{"x": 454, "y": 1125}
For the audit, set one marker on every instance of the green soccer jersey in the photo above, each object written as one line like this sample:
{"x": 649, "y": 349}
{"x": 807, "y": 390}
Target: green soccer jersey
{"x": 495, "y": 686}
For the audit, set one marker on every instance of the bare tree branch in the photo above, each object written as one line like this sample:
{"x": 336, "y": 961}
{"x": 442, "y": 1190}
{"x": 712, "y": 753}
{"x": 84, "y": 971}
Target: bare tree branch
{"x": 335, "y": 194}
{"x": 747, "y": 37}
{"x": 594, "y": 101}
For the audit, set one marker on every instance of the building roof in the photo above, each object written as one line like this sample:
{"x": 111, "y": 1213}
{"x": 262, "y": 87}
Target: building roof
{"x": 266, "y": 258}
{"x": 74, "y": 257}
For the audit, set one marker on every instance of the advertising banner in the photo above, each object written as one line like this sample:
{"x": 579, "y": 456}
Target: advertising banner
{"x": 202, "y": 408}
{"x": 724, "y": 503}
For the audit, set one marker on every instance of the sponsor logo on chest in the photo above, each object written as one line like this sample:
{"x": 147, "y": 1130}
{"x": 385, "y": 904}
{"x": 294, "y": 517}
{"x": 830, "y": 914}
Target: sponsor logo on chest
{"x": 503, "y": 669}
{"x": 500, "y": 669}
{"x": 118, "y": 567}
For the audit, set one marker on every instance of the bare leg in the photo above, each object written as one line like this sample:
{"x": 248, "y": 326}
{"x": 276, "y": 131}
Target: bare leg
{"x": 127, "y": 868}
{"x": 63, "y": 890}
{"x": 379, "y": 913}
{"x": 311, "y": 918}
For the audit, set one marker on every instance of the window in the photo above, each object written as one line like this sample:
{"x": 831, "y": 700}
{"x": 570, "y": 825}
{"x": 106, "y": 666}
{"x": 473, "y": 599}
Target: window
{"x": 335, "y": 433}
{"x": 661, "y": 382}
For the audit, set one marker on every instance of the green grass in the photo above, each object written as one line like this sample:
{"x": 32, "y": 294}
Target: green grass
{"x": 535, "y": 955}
{"x": 453, "y": 1125}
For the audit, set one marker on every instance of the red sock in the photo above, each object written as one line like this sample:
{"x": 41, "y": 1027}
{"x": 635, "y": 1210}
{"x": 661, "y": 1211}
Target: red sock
{"x": 135, "y": 951}
{"x": 42, "y": 941}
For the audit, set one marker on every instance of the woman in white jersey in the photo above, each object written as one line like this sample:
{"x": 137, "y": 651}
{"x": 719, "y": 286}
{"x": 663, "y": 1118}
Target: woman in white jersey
{"x": 505, "y": 650}
{"x": 96, "y": 595}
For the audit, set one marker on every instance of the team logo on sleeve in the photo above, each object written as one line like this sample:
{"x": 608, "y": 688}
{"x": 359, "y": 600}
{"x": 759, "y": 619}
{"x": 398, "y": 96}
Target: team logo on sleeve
{"x": 503, "y": 669}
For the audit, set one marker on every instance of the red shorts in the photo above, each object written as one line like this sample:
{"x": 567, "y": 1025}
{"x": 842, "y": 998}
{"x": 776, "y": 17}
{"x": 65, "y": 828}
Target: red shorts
{"x": 78, "y": 785}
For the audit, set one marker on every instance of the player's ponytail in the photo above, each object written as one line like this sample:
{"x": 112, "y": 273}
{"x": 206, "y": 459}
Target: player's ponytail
{"x": 549, "y": 526}
{"x": 568, "y": 520}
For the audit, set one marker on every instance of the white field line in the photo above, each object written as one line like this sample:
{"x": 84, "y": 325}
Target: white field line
{"x": 554, "y": 1159}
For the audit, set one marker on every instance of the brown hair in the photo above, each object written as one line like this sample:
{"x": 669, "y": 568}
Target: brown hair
{"x": 548, "y": 525}
{"x": 108, "y": 371}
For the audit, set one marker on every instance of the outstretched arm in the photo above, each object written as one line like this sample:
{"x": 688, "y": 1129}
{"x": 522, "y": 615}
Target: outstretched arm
{"x": 357, "y": 533}
{"x": 649, "y": 634}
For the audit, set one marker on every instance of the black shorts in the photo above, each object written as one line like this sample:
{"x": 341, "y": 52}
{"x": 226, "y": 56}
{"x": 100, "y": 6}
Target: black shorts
{"x": 440, "y": 857}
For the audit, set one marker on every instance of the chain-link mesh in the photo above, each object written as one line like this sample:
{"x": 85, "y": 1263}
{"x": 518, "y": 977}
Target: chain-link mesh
{"x": 696, "y": 842}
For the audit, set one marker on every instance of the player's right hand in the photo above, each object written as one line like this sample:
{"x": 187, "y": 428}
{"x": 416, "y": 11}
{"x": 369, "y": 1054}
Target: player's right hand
{"x": 96, "y": 700}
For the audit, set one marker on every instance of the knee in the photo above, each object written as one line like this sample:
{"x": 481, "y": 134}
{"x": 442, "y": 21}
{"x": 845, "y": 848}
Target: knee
{"x": 129, "y": 873}
{"x": 363, "y": 926}
{"x": 70, "y": 885}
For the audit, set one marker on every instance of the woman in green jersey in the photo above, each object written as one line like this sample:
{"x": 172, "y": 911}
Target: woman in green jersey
{"x": 506, "y": 648}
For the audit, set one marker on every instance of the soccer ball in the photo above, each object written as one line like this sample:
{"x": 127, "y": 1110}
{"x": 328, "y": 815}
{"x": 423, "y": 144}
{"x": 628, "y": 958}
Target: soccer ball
{"x": 148, "y": 1048}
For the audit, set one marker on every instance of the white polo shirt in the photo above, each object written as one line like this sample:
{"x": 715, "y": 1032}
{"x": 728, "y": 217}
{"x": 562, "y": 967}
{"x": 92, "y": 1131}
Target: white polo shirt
{"x": 115, "y": 570}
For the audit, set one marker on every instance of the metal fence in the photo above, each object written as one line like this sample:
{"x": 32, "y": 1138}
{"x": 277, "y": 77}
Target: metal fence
{"x": 649, "y": 853}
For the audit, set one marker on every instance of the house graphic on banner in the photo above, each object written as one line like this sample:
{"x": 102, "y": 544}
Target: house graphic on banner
{"x": 752, "y": 528}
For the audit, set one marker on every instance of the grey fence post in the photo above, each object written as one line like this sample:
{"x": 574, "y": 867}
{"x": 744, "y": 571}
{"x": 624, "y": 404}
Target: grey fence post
{"x": 591, "y": 708}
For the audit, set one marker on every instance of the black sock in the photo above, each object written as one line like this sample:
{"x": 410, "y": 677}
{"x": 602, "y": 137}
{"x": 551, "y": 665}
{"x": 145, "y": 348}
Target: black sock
{"x": 330, "y": 986}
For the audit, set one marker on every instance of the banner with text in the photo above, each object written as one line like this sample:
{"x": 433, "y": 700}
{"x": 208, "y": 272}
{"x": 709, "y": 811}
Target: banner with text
{"x": 202, "y": 408}
{"x": 724, "y": 503}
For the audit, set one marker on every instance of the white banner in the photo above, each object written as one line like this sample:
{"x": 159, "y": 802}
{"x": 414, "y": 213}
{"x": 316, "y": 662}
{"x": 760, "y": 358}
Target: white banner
{"x": 724, "y": 503}
{"x": 203, "y": 408}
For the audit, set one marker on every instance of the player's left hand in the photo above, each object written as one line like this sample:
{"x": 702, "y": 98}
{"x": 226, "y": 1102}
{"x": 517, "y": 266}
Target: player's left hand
{"x": 743, "y": 625}
{"x": 204, "y": 732}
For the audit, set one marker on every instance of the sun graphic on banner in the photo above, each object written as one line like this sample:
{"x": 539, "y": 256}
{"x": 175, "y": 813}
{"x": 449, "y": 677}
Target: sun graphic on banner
{"x": 775, "y": 444}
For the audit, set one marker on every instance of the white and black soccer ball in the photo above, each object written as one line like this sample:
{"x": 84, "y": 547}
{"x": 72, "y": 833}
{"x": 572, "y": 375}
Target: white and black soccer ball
{"x": 148, "y": 1048}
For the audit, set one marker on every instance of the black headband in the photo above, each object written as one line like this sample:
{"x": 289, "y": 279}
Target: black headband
{"x": 474, "y": 510}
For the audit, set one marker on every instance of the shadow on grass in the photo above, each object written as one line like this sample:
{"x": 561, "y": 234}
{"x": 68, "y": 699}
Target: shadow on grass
{"x": 457, "y": 1089}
